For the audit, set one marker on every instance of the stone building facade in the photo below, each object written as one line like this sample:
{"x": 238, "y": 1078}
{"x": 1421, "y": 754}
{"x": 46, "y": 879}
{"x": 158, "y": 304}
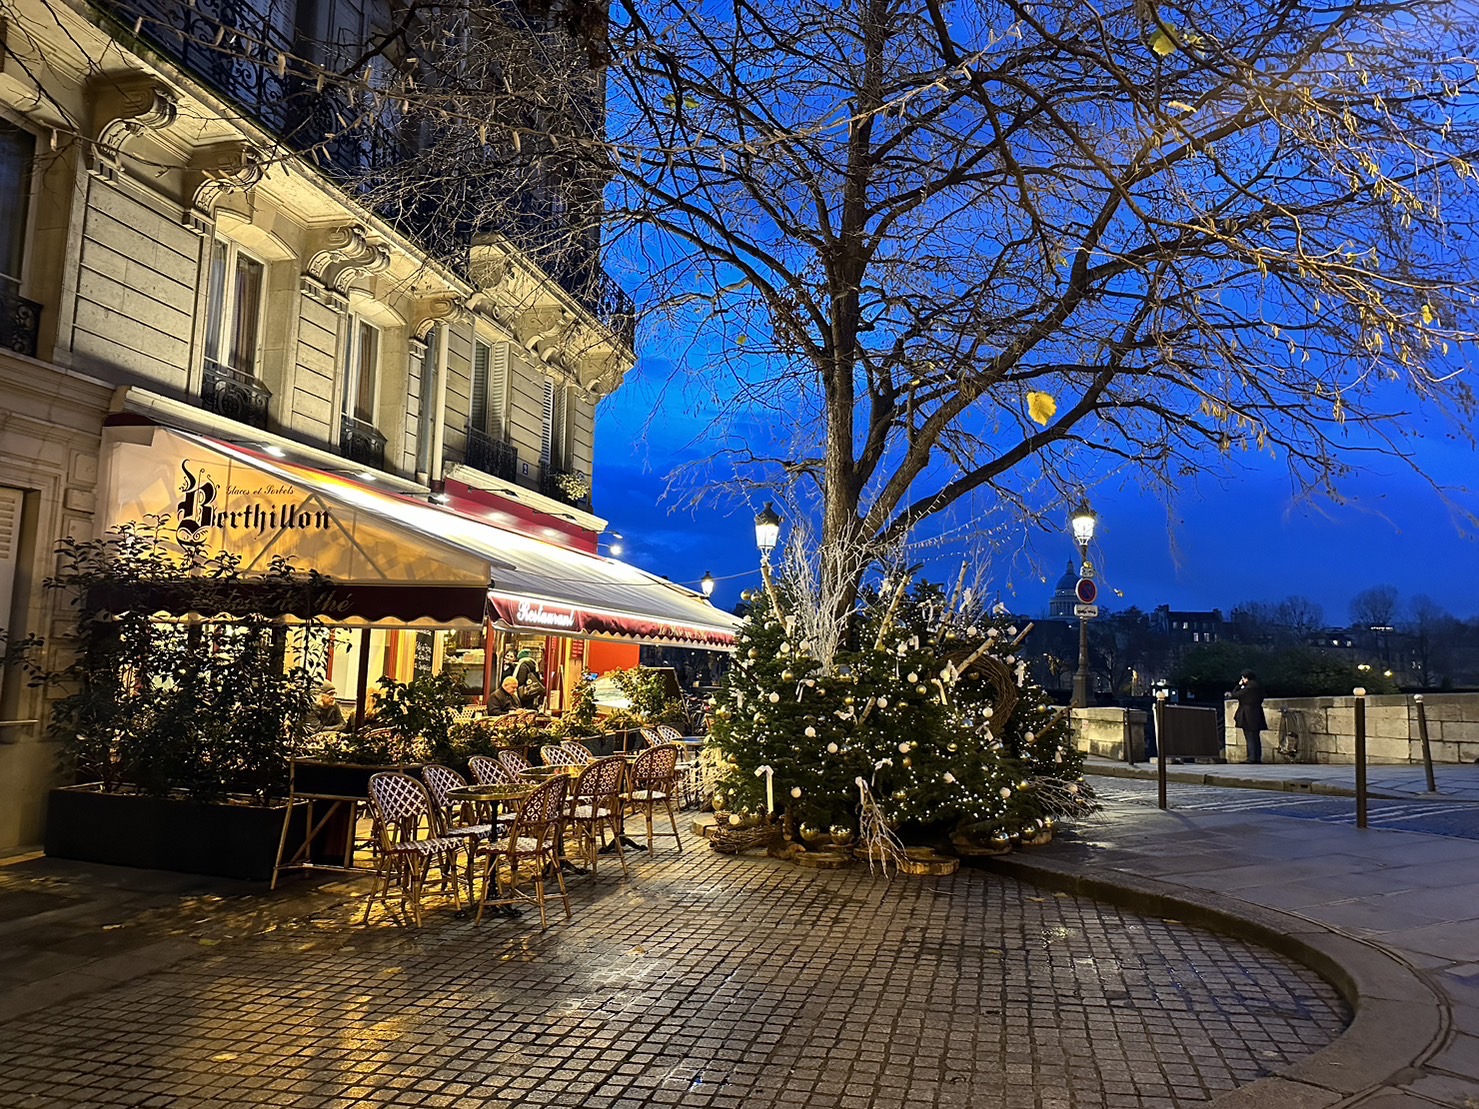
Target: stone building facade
{"x": 163, "y": 255}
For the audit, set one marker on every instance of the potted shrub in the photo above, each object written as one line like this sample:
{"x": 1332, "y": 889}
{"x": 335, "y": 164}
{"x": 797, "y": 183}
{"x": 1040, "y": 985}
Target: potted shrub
{"x": 178, "y": 729}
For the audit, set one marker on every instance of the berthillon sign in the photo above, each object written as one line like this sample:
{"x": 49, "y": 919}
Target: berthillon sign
{"x": 197, "y": 512}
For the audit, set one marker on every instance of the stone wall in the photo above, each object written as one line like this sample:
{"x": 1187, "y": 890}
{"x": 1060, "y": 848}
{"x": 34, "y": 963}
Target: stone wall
{"x": 1329, "y": 730}
{"x": 1105, "y": 731}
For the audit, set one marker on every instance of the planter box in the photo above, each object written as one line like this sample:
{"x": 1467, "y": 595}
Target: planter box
{"x": 162, "y": 833}
{"x": 342, "y": 779}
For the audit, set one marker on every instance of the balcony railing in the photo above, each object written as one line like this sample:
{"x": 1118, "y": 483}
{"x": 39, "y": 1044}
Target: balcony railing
{"x": 568, "y": 487}
{"x": 236, "y": 395}
{"x": 357, "y": 142}
{"x": 492, "y": 456}
{"x": 360, "y": 442}
{"x": 20, "y": 319}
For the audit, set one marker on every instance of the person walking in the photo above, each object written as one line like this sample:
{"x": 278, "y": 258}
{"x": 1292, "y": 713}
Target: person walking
{"x": 1249, "y": 715}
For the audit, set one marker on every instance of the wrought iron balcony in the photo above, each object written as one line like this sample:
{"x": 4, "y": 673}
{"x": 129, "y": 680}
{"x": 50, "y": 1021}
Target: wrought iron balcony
{"x": 236, "y": 395}
{"x": 492, "y": 456}
{"x": 360, "y": 442}
{"x": 568, "y": 487}
{"x": 20, "y": 319}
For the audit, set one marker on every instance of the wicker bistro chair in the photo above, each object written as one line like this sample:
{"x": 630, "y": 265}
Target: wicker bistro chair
{"x": 528, "y": 852}
{"x": 513, "y": 761}
{"x": 650, "y": 736}
{"x": 579, "y": 753}
{"x": 555, "y": 754}
{"x": 595, "y": 806}
{"x": 653, "y": 780}
{"x": 690, "y": 777}
{"x": 402, "y": 811}
{"x": 450, "y": 815}
{"x": 490, "y": 772}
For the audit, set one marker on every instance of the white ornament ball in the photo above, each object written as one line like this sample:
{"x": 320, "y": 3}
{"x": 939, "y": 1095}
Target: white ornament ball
{"x": 1072, "y": 790}
{"x": 1030, "y": 736}
{"x": 949, "y": 778}
{"x": 913, "y": 678}
{"x": 988, "y": 712}
{"x": 811, "y": 733}
{"x": 785, "y": 646}
{"x": 1012, "y": 630}
{"x": 904, "y": 748}
{"x": 774, "y": 698}
{"x": 795, "y": 791}
{"x": 992, "y": 633}
{"x": 832, "y": 748}
{"x": 734, "y": 819}
{"x": 883, "y": 702}
{"x": 1005, "y": 793}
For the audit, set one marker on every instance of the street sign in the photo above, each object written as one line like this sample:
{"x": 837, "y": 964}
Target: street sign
{"x": 1086, "y": 591}
{"x": 1086, "y": 570}
{"x": 1088, "y": 612}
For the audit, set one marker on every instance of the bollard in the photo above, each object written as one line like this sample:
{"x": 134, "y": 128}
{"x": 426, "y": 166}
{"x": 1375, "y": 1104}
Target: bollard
{"x": 1422, "y": 734}
{"x": 1160, "y": 748}
{"x": 1360, "y": 694}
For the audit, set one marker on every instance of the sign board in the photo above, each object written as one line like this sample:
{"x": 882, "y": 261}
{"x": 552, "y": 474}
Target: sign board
{"x": 1086, "y": 570}
{"x": 1086, "y": 591}
{"x": 1086, "y": 611}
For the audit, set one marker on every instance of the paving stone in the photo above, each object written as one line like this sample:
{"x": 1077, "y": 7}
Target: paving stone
{"x": 704, "y": 981}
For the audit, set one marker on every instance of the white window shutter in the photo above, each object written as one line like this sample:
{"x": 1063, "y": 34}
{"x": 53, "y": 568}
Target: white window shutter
{"x": 10, "y": 549}
{"x": 498, "y": 393}
{"x": 546, "y": 436}
{"x": 479, "y": 416}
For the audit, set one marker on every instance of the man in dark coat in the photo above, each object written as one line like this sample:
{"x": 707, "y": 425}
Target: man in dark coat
{"x": 506, "y": 698}
{"x": 1249, "y": 716}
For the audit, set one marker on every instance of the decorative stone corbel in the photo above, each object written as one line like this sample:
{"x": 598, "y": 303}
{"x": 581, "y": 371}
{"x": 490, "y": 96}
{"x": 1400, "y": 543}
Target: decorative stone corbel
{"x": 347, "y": 254}
{"x": 546, "y": 344}
{"x": 124, "y": 110}
{"x": 224, "y": 168}
{"x": 430, "y": 311}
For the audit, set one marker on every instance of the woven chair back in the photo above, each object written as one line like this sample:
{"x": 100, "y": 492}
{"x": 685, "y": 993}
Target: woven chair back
{"x": 512, "y": 760}
{"x": 485, "y": 771}
{"x": 650, "y": 737}
{"x": 554, "y": 754}
{"x": 600, "y": 779}
{"x": 668, "y": 733}
{"x": 440, "y": 779}
{"x": 580, "y": 754}
{"x": 401, "y": 805}
{"x": 545, "y": 806}
{"x": 655, "y": 765}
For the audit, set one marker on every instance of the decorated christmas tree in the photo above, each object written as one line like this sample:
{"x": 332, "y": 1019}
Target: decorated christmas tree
{"x": 927, "y": 714}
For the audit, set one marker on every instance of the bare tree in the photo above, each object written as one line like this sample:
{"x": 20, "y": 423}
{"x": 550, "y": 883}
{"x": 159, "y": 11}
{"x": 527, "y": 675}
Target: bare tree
{"x": 978, "y": 254}
{"x": 1435, "y": 635}
{"x": 1375, "y": 608}
{"x": 1300, "y": 615}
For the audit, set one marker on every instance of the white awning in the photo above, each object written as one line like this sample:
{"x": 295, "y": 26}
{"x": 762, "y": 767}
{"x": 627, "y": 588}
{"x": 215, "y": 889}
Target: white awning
{"x": 397, "y": 558}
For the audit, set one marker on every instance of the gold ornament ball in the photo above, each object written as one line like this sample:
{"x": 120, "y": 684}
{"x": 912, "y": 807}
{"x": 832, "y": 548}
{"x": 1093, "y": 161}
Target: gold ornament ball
{"x": 842, "y": 834}
{"x": 849, "y": 699}
{"x": 953, "y": 747}
{"x": 734, "y": 819}
{"x": 899, "y": 795}
{"x": 921, "y": 690}
{"x": 787, "y": 676}
{"x": 812, "y": 834}
{"x": 908, "y": 761}
{"x": 753, "y": 653}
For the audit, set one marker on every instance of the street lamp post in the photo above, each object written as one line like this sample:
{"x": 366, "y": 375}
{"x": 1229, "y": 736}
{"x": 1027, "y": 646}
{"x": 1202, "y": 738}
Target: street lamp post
{"x": 767, "y": 534}
{"x": 1083, "y": 521}
{"x": 707, "y": 584}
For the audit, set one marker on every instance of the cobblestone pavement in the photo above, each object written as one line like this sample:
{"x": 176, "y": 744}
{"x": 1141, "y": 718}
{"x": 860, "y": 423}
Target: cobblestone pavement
{"x": 703, "y": 981}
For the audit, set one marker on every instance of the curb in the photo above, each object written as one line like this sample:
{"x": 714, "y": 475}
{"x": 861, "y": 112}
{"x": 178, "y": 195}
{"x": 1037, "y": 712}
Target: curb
{"x": 1270, "y": 785}
{"x": 1398, "y": 1019}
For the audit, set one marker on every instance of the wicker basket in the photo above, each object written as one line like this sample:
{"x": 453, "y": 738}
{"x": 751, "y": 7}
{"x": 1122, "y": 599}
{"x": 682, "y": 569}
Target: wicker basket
{"x": 730, "y": 840}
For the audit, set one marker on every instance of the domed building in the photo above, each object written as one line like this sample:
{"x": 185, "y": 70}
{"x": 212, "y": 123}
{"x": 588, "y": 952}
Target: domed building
{"x": 1064, "y": 597}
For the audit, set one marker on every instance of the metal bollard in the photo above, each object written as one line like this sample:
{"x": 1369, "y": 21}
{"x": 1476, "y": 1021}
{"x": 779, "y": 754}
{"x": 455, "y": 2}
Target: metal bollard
{"x": 1160, "y": 748}
{"x": 1360, "y": 694}
{"x": 1422, "y": 734}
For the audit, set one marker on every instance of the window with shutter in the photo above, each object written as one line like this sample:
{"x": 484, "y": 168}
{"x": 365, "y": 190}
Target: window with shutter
{"x": 560, "y": 429}
{"x": 10, "y": 555}
{"x": 478, "y": 416}
{"x": 498, "y": 393}
{"x": 546, "y": 436}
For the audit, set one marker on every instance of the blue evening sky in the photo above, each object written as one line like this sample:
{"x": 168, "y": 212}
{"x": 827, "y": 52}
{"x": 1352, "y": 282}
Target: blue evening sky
{"x": 1240, "y": 538}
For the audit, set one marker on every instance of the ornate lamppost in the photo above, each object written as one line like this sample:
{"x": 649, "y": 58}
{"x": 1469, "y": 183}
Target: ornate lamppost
{"x": 1083, "y": 521}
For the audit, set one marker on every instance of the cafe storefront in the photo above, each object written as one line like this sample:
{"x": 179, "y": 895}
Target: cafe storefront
{"x": 418, "y": 587}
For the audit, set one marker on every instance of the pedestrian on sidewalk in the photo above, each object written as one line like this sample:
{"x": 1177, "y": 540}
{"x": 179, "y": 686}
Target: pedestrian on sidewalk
{"x": 1249, "y": 715}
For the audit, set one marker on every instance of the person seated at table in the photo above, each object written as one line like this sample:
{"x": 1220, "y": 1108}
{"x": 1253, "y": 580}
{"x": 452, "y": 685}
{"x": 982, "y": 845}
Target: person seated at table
{"x": 326, "y": 715}
{"x": 507, "y": 698}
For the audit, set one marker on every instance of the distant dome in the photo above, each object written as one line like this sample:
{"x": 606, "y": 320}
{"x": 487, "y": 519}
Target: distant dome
{"x": 1065, "y": 594}
{"x": 1068, "y": 581}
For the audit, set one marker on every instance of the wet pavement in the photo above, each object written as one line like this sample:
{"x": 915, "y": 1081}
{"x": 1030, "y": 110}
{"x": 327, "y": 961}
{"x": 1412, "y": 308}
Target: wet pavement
{"x": 704, "y": 980}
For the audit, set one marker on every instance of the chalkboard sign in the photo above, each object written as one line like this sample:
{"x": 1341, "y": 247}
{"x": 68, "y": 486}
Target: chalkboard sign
{"x": 425, "y": 645}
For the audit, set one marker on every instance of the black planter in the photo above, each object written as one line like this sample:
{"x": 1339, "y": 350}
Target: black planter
{"x": 162, "y": 833}
{"x": 342, "y": 779}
